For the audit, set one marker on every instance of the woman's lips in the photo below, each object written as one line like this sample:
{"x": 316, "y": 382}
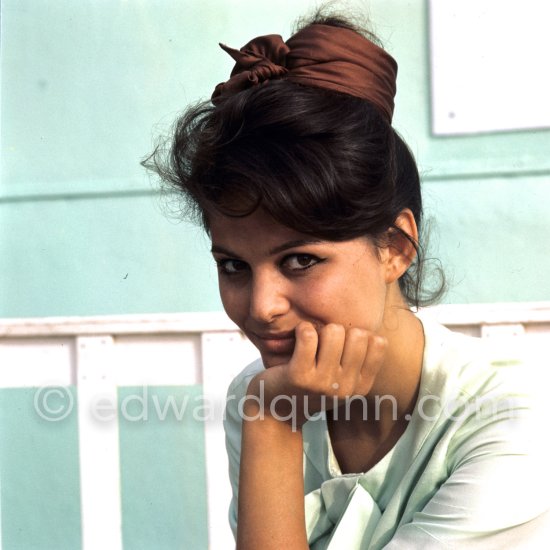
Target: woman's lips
{"x": 281, "y": 343}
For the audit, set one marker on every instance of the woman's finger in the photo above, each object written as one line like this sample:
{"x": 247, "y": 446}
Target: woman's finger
{"x": 374, "y": 358}
{"x": 305, "y": 349}
{"x": 353, "y": 356}
{"x": 331, "y": 346}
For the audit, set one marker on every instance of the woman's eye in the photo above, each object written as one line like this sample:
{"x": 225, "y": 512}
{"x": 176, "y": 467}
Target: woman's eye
{"x": 298, "y": 262}
{"x": 231, "y": 267}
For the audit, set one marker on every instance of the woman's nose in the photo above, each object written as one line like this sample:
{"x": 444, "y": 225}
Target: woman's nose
{"x": 268, "y": 298}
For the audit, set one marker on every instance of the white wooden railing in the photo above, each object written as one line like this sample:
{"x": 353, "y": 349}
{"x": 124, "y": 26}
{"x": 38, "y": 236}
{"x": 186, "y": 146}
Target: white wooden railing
{"x": 99, "y": 354}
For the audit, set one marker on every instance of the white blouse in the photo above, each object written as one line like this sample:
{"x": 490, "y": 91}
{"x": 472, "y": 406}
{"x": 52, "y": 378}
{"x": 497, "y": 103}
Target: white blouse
{"x": 471, "y": 469}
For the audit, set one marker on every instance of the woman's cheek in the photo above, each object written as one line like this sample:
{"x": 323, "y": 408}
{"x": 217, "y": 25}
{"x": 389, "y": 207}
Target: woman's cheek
{"x": 316, "y": 301}
{"x": 230, "y": 301}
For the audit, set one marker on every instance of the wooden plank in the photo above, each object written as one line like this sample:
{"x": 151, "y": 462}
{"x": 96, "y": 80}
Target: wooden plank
{"x": 98, "y": 444}
{"x": 224, "y": 355}
{"x": 165, "y": 323}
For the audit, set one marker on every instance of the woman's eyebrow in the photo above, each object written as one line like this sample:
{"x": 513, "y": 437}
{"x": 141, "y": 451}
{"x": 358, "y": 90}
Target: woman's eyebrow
{"x": 293, "y": 244}
{"x": 217, "y": 249}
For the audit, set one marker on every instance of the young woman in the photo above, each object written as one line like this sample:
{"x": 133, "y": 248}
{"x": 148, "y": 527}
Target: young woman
{"x": 362, "y": 425}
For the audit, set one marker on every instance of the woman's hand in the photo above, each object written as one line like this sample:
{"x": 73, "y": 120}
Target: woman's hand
{"x": 327, "y": 366}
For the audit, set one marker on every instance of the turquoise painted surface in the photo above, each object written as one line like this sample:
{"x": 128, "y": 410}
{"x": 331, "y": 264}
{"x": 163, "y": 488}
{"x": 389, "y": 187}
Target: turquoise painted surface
{"x": 495, "y": 245}
{"x": 99, "y": 256}
{"x": 163, "y": 479}
{"x": 82, "y": 231}
{"x": 39, "y": 470}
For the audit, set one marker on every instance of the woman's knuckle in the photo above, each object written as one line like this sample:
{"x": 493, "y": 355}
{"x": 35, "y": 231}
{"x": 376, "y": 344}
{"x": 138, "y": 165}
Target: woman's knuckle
{"x": 333, "y": 330}
{"x": 357, "y": 333}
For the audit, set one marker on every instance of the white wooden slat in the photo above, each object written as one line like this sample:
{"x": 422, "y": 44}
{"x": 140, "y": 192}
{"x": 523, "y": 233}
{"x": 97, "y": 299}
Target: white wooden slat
{"x": 157, "y": 360}
{"x": 36, "y": 362}
{"x": 98, "y": 444}
{"x": 531, "y": 313}
{"x": 154, "y": 323}
{"x": 224, "y": 355}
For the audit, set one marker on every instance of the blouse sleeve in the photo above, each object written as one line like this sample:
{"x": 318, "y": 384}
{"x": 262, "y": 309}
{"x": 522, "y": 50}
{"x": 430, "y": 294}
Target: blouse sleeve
{"x": 233, "y": 431}
{"x": 232, "y": 426}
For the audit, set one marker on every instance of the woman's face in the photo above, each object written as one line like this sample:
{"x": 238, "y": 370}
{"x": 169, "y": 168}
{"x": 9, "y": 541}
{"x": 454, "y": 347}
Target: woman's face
{"x": 272, "y": 277}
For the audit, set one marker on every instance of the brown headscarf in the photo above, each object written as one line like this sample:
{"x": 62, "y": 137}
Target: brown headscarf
{"x": 323, "y": 56}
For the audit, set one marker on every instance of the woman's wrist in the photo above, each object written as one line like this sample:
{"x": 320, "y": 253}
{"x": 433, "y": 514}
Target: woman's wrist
{"x": 283, "y": 413}
{"x": 263, "y": 402}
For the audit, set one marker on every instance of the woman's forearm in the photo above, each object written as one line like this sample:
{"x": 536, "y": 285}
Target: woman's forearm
{"x": 271, "y": 493}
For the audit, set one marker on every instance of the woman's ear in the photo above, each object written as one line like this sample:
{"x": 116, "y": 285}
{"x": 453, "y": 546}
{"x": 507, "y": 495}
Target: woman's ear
{"x": 401, "y": 245}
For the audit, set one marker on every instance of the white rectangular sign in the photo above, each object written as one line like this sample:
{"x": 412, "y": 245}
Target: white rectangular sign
{"x": 490, "y": 67}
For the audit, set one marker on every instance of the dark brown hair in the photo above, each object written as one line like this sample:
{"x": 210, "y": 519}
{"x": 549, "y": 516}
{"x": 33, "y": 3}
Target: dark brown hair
{"x": 320, "y": 162}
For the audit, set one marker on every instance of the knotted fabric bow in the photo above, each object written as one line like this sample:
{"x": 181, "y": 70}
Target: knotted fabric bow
{"x": 261, "y": 59}
{"x": 322, "y": 56}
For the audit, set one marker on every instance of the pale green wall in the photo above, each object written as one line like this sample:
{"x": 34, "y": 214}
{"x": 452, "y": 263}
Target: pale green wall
{"x": 163, "y": 477}
{"x": 40, "y": 476}
{"x": 86, "y": 84}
